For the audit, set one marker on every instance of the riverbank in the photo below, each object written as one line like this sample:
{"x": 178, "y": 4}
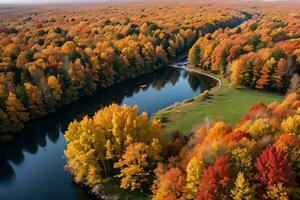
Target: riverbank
{"x": 223, "y": 102}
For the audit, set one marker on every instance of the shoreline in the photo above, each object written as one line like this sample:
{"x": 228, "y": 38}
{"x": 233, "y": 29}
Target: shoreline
{"x": 223, "y": 102}
{"x": 210, "y": 91}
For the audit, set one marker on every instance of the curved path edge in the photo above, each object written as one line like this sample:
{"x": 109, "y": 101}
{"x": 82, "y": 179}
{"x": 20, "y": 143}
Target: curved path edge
{"x": 198, "y": 71}
{"x": 193, "y": 70}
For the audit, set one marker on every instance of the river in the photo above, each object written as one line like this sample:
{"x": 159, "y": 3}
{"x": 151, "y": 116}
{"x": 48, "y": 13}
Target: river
{"x": 32, "y": 166}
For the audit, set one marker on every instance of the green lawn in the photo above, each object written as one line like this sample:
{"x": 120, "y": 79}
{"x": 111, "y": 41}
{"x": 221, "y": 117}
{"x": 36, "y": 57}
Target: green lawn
{"x": 226, "y": 103}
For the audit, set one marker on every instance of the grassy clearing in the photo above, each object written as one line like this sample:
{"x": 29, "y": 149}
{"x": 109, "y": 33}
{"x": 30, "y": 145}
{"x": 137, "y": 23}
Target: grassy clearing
{"x": 226, "y": 103}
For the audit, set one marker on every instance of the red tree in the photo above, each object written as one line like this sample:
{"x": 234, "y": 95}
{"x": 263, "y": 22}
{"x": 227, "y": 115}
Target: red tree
{"x": 272, "y": 168}
{"x": 215, "y": 180}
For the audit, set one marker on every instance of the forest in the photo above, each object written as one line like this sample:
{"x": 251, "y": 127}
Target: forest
{"x": 237, "y": 138}
{"x": 257, "y": 158}
{"x": 263, "y": 53}
{"x": 46, "y": 62}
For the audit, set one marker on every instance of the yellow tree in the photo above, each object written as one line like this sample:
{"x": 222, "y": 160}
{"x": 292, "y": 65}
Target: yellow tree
{"x": 35, "y": 100}
{"x": 133, "y": 166}
{"x": 291, "y": 125}
{"x": 83, "y": 157}
{"x": 16, "y": 112}
{"x": 242, "y": 160}
{"x": 21, "y": 60}
{"x": 68, "y": 47}
{"x": 193, "y": 175}
{"x": 277, "y": 192}
{"x": 105, "y": 137}
{"x": 54, "y": 87}
{"x": 77, "y": 74}
{"x": 162, "y": 55}
{"x": 259, "y": 128}
{"x": 242, "y": 189}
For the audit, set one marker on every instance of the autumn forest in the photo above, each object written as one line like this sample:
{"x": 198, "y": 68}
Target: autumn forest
{"x": 153, "y": 100}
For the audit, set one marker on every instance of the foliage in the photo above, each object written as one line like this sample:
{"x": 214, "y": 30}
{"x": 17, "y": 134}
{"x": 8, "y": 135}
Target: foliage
{"x": 170, "y": 185}
{"x": 113, "y": 136}
{"x": 134, "y": 163}
{"x": 69, "y": 53}
{"x": 242, "y": 189}
{"x": 260, "y": 54}
{"x": 291, "y": 124}
{"x": 254, "y": 160}
{"x": 272, "y": 168}
{"x": 193, "y": 176}
{"x": 215, "y": 181}
{"x": 278, "y": 192}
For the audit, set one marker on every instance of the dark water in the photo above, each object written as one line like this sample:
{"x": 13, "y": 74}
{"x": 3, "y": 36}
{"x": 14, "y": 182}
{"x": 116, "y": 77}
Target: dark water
{"x": 32, "y": 166}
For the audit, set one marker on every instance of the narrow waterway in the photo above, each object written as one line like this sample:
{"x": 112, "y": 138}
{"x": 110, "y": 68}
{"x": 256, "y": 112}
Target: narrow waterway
{"x": 32, "y": 166}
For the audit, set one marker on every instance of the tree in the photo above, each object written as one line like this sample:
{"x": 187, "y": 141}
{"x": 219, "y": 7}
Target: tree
{"x": 35, "y": 100}
{"x": 215, "y": 181}
{"x": 277, "y": 192}
{"x": 242, "y": 160}
{"x": 291, "y": 125}
{"x": 264, "y": 79}
{"x": 194, "y": 55}
{"x": 11, "y": 50}
{"x": 84, "y": 153}
{"x": 236, "y": 70}
{"x": 54, "y": 87}
{"x": 171, "y": 185}
{"x": 161, "y": 53}
{"x": 4, "y": 122}
{"x": 278, "y": 77}
{"x": 247, "y": 73}
{"x": 194, "y": 172}
{"x": 76, "y": 73}
{"x": 242, "y": 189}
{"x": 95, "y": 144}
{"x": 260, "y": 128}
{"x": 21, "y": 60}
{"x": 68, "y": 47}
{"x": 16, "y": 112}
{"x": 134, "y": 166}
{"x": 272, "y": 168}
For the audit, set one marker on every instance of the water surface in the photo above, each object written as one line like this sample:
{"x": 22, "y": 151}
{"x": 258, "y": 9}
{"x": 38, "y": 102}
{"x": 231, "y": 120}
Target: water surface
{"x": 32, "y": 166}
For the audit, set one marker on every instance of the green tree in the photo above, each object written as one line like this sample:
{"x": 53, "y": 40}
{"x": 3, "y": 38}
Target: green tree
{"x": 195, "y": 55}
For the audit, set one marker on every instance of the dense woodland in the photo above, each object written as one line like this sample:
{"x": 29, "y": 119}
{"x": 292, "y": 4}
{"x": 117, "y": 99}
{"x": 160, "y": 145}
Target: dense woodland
{"x": 50, "y": 57}
{"x": 263, "y": 53}
{"x": 258, "y": 158}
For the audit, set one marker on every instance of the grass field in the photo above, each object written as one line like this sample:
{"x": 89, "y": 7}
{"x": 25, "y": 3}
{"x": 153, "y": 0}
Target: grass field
{"x": 226, "y": 103}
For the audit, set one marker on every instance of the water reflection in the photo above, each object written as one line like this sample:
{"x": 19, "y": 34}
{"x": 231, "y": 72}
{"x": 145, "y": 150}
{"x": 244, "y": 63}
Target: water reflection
{"x": 31, "y": 167}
